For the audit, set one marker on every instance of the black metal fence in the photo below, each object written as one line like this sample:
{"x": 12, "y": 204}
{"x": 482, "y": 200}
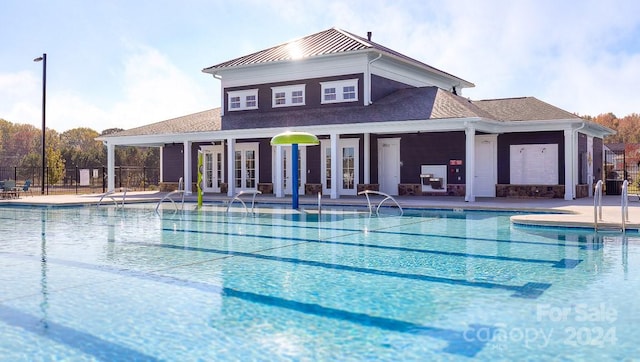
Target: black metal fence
{"x": 83, "y": 180}
{"x": 620, "y": 166}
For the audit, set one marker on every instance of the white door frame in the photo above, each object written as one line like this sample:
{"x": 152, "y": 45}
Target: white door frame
{"x": 389, "y": 171}
{"x": 341, "y": 145}
{"x": 244, "y": 171}
{"x": 482, "y": 162}
{"x": 216, "y": 152}
{"x": 287, "y": 168}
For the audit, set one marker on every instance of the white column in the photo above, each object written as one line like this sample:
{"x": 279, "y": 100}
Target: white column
{"x": 590, "y": 154}
{"x": 187, "y": 166}
{"x": 334, "y": 165}
{"x": 569, "y": 184}
{"x": 161, "y": 163}
{"x": 231, "y": 181}
{"x": 278, "y": 185}
{"x": 470, "y": 169}
{"x": 367, "y": 158}
{"x": 111, "y": 167}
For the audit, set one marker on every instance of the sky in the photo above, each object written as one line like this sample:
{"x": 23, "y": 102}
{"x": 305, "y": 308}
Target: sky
{"x": 127, "y": 63}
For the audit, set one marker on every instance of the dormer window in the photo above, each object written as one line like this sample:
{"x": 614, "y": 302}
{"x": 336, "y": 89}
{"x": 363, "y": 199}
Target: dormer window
{"x": 339, "y": 91}
{"x": 287, "y": 96}
{"x": 243, "y": 100}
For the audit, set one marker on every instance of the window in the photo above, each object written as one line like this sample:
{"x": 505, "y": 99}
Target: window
{"x": 279, "y": 98}
{"x": 234, "y": 102}
{"x": 329, "y": 94}
{"x": 243, "y": 99}
{"x": 286, "y": 96}
{"x": 339, "y": 91}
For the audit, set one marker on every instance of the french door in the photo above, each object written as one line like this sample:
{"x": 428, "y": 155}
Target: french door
{"x": 212, "y": 168}
{"x": 348, "y": 166}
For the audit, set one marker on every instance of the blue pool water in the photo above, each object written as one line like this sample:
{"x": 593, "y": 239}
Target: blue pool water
{"x": 111, "y": 284}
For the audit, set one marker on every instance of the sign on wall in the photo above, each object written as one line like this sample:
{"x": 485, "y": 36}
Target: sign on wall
{"x": 534, "y": 164}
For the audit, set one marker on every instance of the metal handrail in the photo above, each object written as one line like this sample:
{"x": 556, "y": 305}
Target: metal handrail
{"x": 180, "y": 191}
{"x": 319, "y": 202}
{"x": 237, "y": 197}
{"x": 386, "y": 197}
{"x": 597, "y": 205}
{"x": 110, "y": 194}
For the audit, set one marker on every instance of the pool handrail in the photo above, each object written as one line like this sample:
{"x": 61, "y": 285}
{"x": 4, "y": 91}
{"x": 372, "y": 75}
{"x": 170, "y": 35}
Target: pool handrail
{"x": 110, "y": 195}
{"x": 180, "y": 191}
{"x": 386, "y": 197}
{"x": 597, "y": 205}
{"x": 244, "y": 192}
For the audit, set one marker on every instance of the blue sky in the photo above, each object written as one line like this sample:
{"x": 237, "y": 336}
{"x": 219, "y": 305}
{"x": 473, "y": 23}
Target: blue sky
{"x": 126, "y": 63}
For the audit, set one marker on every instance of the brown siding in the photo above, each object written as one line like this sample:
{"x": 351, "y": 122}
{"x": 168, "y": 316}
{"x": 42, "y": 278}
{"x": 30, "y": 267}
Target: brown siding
{"x": 434, "y": 148}
{"x": 597, "y": 159}
{"x": 173, "y": 162}
{"x": 505, "y": 141}
{"x": 266, "y": 159}
{"x": 312, "y": 93}
{"x": 582, "y": 153}
{"x": 382, "y": 87}
{"x": 313, "y": 164}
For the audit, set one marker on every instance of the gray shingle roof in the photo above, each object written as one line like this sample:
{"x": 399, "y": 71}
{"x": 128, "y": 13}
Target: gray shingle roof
{"x": 205, "y": 121}
{"x": 522, "y": 109}
{"x": 330, "y": 41}
{"x": 406, "y": 104}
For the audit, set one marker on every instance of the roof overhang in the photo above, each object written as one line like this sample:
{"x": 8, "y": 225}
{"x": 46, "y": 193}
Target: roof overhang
{"x": 392, "y": 127}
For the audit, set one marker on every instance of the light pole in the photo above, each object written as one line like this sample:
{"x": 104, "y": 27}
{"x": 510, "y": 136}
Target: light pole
{"x": 43, "y": 58}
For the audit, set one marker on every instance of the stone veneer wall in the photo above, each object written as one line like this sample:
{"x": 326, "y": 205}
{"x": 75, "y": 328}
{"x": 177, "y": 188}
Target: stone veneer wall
{"x": 530, "y": 191}
{"x": 416, "y": 190}
{"x": 582, "y": 191}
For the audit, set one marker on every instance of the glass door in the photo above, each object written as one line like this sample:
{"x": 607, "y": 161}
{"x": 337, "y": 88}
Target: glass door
{"x": 213, "y": 168}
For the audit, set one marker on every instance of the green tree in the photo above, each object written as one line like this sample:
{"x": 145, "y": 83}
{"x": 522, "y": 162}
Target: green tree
{"x": 79, "y": 148}
{"x": 55, "y": 165}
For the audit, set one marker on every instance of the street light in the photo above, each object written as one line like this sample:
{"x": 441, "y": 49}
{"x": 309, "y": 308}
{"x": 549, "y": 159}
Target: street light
{"x": 43, "y": 58}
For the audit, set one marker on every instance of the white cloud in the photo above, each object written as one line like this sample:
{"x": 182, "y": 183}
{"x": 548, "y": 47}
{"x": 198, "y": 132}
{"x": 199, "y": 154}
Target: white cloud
{"x": 21, "y": 97}
{"x": 152, "y": 89}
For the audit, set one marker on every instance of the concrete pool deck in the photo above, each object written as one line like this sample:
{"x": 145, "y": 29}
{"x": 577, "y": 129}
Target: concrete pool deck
{"x": 572, "y": 213}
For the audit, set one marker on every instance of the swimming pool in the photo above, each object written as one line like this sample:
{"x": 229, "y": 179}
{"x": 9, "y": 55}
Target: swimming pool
{"x": 87, "y": 283}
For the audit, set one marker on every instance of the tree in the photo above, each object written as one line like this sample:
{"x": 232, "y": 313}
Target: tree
{"x": 55, "y": 166}
{"x": 79, "y": 148}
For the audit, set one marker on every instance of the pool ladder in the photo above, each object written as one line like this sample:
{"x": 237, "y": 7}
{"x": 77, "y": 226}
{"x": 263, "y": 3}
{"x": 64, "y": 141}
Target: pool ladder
{"x": 245, "y": 192}
{"x": 111, "y": 194}
{"x": 597, "y": 206}
{"x": 179, "y": 191}
{"x": 386, "y": 197}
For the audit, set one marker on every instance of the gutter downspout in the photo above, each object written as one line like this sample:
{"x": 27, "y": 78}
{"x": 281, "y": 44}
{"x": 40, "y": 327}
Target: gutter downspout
{"x": 368, "y": 100}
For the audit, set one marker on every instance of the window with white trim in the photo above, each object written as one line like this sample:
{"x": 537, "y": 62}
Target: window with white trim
{"x": 287, "y": 96}
{"x": 339, "y": 91}
{"x": 243, "y": 99}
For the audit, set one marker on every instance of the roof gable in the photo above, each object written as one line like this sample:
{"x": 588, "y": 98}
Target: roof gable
{"x": 327, "y": 42}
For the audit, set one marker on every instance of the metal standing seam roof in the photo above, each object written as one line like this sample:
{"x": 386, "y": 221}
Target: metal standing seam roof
{"x": 330, "y": 41}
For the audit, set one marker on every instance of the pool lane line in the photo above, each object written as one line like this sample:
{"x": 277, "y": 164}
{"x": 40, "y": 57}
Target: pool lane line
{"x": 528, "y": 290}
{"x": 457, "y": 342}
{"x": 92, "y": 345}
{"x": 562, "y": 263}
{"x": 588, "y": 246}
